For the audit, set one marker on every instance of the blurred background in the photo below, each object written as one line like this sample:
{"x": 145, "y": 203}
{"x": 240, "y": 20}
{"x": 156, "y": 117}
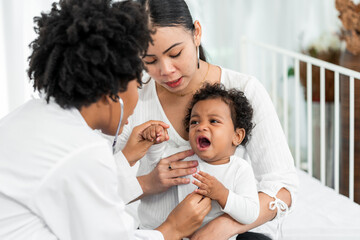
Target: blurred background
{"x": 291, "y": 24}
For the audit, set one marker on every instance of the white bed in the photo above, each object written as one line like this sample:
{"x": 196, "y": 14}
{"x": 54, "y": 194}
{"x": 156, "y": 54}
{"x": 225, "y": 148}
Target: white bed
{"x": 321, "y": 213}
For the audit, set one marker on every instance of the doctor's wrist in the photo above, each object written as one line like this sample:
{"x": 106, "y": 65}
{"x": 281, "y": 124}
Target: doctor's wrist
{"x": 169, "y": 231}
{"x": 145, "y": 183}
{"x": 129, "y": 156}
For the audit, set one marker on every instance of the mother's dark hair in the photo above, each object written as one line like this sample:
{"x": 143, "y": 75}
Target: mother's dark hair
{"x": 170, "y": 13}
{"x": 86, "y": 49}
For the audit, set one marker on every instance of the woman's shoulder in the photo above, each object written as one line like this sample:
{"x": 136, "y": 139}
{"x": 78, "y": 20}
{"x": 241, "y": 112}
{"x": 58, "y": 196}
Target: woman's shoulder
{"x": 250, "y": 85}
{"x": 234, "y": 79}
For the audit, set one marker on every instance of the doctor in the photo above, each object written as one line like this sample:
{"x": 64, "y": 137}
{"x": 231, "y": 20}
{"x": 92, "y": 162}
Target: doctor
{"x": 58, "y": 177}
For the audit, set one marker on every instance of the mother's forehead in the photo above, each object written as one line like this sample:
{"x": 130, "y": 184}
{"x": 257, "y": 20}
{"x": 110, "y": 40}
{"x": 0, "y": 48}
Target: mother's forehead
{"x": 175, "y": 32}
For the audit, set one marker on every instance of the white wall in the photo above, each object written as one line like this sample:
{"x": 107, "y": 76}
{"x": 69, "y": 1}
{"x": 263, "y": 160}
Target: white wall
{"x": 17, "y": 31}
{"x": 284, "y": 23}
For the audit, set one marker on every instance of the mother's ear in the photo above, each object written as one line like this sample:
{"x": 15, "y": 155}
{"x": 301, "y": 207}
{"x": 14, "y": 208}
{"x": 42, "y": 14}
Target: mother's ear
{"x": 197, "y": 33}
{"x": 238, "y": 137}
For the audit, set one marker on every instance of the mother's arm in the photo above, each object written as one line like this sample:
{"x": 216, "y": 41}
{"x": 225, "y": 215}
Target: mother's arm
{"x": 223, "y": 227}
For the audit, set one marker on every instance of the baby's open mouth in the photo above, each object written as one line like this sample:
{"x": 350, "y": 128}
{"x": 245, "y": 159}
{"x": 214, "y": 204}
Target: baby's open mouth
{"x": 203, "y": 143}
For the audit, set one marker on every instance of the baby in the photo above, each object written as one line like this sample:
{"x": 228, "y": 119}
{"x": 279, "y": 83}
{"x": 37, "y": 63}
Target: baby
{"x": 218, "y": 121}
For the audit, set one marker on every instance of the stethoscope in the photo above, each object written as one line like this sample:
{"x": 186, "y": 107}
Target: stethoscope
{"x": 118, "y": 128}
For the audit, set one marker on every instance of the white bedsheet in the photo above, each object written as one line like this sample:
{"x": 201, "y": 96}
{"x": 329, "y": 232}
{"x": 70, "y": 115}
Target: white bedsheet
{"x": 321, "y": 213}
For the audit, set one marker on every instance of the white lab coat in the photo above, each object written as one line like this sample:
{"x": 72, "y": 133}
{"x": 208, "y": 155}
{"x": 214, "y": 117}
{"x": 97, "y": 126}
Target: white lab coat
{"x": 59, "y": 179}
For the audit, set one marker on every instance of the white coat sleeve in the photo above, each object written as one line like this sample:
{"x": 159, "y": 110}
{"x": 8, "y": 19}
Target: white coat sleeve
{"x": 128, "y": 182}
{"x": 79, "y": 199}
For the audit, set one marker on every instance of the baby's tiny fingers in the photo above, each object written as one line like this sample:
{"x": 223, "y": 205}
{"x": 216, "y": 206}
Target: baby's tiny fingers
{"x": 200, "y": 185}
{"x": 204, "y": 174}
{"x": 196, "y": 183}
{"x": 153, "y": 132}
{"x": 201, "y": 192}
{"x": 148, "y": 136}
{"x": 159, "y": 130}
{"x": 199, "y": 177}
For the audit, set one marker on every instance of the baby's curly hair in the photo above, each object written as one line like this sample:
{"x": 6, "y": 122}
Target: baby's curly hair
{"x": 240, "y": 108}
{"x": 88, "y": 48}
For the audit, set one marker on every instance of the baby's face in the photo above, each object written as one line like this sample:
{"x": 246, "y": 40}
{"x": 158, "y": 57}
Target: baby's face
{"x": 211, "y": 131}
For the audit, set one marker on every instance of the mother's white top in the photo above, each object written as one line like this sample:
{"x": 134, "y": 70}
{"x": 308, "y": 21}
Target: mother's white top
{"x": 267, "y": 149}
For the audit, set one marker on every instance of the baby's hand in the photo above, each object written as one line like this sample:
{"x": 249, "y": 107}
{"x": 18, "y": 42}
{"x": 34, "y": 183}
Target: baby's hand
{"x": 155, "y": 133}
{"x": 210, "y": 187}
{"x": 136, "y": 146}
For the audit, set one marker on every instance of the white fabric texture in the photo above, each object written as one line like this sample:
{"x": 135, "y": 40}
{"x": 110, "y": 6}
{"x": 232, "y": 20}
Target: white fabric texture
{"x": 60, "y": 179}
{"x": 243, "y": 201}
{"x": 267, "y": 150}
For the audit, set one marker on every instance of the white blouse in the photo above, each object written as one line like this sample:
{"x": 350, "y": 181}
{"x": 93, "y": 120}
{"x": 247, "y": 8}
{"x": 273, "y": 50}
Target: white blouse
{"x": 59, "y": 179}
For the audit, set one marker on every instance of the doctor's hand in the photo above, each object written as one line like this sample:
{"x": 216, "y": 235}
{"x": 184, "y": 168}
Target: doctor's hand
{"x": 186, "y": 218}
{"x": 137, "y": 146}
{"x": 221, "y": 228}
{"x": 167, "y": 173}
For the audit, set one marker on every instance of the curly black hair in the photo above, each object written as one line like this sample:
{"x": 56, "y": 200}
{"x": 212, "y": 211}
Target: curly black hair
{"x": 240, "y": 108}
{"x": 88, "y": 48}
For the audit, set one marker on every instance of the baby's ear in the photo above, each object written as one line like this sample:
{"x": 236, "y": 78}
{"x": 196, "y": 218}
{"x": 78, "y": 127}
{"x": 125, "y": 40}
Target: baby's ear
{"x": 238, "y": 137}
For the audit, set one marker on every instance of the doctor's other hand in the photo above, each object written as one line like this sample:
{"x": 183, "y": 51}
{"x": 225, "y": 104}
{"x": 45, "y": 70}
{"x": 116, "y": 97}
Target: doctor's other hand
{"x": 137, "y": 146}
{"x": 186, "y": 218}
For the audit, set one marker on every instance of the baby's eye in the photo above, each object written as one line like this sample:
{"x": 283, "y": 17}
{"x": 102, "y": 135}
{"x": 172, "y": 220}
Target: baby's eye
{"x": 193, "y": 122}
{"x": 214, "y": 121}
{"x": 176, "y": 55}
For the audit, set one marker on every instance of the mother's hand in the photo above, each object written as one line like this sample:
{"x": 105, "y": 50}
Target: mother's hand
{"x": 168, "y": 173}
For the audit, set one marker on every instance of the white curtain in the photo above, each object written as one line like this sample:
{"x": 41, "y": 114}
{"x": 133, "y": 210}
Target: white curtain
{"x": 278, "y": 22}
{"x": 285, "y": 23}
{"x": 16, "y": 33}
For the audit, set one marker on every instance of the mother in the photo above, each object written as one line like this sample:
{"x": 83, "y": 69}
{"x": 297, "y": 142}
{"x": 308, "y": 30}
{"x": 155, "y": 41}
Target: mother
{"x": 177, "y": 66}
